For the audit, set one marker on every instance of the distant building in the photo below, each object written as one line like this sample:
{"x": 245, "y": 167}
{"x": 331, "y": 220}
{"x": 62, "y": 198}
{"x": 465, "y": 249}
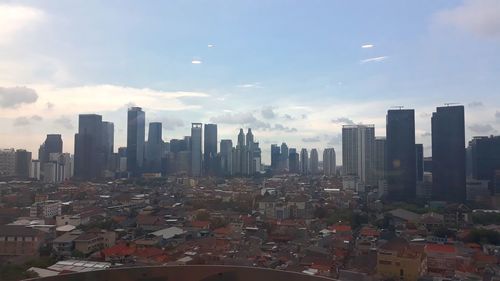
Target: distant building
{"x": 89, "y": 154}
{"x": 23, "y": 164}
{"x": 226, "y": 158}
{"x": 136, "y": 123}
{"x": 53, "y": 144}
{"x": 380, "y": 158}
{"x": 448, "y": 154}
{"x": 484, "y": 159}
{"x": 7, "y": 162}
{"x": 314, "y": 162}
{"x": 284, "y": 157}
{"x": 196, "y": 154}
{"x": 358, "y": 147}
{"x": 210, "y": 149}
{"x": 293, "y": 161}
{"x": 154, "y": 148}
{"x": 419, "y": 150}
{"x": 399, "y": 260}
{"x": 108, "y": 139}
{"x": 17, "y": 240}
{"x": 400, "y": 151}
{"x": 275, "y": 157}
{"x": 329, "y": 162}
{"x": 46, "y": 209}
{"x": 304, "y": 162}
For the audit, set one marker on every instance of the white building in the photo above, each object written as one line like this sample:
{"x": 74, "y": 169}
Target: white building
{"x": 329, "y": 162}
{"x": 358, "y": 147}
{"x": 7, "y": 162}
{"x": 46, "y": 209}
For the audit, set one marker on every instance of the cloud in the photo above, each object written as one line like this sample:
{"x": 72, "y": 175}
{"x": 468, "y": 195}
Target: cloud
{"x": 268, "y": 113}
{"x": 196, "y": 61}
{"x": 481, "y": 128}
{"x": 367, "y": 46}
{"x": 15, "y": 96}
{"x": 15, "y": 18}
{"x": 343, "y": 120}
{"x": 50, "y": 105}
{"x": 478, "y": 17}
{"x": 280, "y": 127}
{"x": 250, "y": 85}
{"x": 25, "y": 121}
{"x": 211, "y": 45}
{"x": 312, "y": 139}
{"x": 426, "y": 134}
{"x": 334, "y": 140}
{"x": 65, "y": 122}
{"x": 475, "y": 104}
{"x": 375, "y": 59}
{"x": 288, "y": 117}
{"x": 170, "y": 123}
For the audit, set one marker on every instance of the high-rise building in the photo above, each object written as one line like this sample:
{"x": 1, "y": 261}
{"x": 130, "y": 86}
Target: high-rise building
{"x": 358, "y": 146}
{"x": 284, "y": 157}
{"x": 241, "y": 139}
{"x": 226, "y": 157}
{"x": 329, "y": 162}
{"x": 89, "y": 154}
{"x": 7, "y": 162}
{"x": 136, "y": 130}
{"x": 210, "y": 149}
{"x": 419, "y": 150}
{"x": 154, "y": 148}
{"x": 293, "y": 161}
{"x": 53, "y": 144}
{"x": 108, "y": 140}
{"x": 275, "y": 156}
{"x": 448, "y": 154}
{"x": 484, "y": 159}
{"x": 23, "y": 164}
{"x": 314, "y": 162}
{"x": 196, "y": 154}
{"x": 400, "y": 151}
{"x": 380, "y": 158}
{"x": 304, "y": 162}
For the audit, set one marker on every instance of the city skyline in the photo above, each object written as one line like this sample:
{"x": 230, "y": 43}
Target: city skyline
{"x": 301, "y": 85}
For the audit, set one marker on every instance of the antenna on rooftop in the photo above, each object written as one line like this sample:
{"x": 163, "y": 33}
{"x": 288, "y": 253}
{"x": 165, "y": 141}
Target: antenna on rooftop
{"x": 450, "y": 103}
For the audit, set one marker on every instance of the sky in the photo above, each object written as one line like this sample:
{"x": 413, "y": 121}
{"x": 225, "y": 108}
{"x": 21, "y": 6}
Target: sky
{"x": 294, "y": 71}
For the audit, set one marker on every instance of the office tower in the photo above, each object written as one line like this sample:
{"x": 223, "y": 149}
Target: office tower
{"x": 419, "y": 150}
{"x": 108, "y": 140}
{"x": 400, "y": 151}
{"x": 257, "y": 157}
{"x": 52, "y": 144}
{"x": 89, "y": 156}
{"x": 358, "y": 146}
{"x": 7, "y": 162}
{"x": 304, "y": 162}
{"x": 35, "y": 170}
{"x": 329, "y": 162}
{"x": 275, "y": 156}
{"x": 249, "y": 138}
{"x": 210, "y": 149}
{"x": 154, "y": 148}
{"x": 293, "y": 161}
{"x": 23, "y": 164}
{"x": 284, "y": 157}
{"x": 241, "y": 139}
{"x": 380, "y": 158}
{"x": 196, "y": 155}
{"x": 448, "y": 154}
{"x": 226, "y": 157}
{"x": 314, "y": 162}
{"x": 136, "y": 126}
{"x": 484, "y": 159}
{"x": 251, "y": 146}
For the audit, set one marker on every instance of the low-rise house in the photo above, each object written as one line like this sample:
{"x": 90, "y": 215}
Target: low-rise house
{"x": 18, "y": 240}
{"x": 398, "y": 259}
{"x": 94, "y": 240}
{"x": 441, "y": 259}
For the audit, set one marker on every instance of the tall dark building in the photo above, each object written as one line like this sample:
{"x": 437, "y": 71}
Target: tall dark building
{"x": 448, "y": 154}
{"x": 23, "y": 164}
{"x": 380, "y": 156}
{"x": 293, "y": 161}
{"x": 89, "y": 156}
{"x": 136, "y": 123}
{"x": 210, "y": 149}
{"x": 484, "y": 159}
{"x": 275, "y": 156}
{"x": 108, "y": 139}
{"x": 226, "y": 157}
{"x": 400, "y": 151}
{"x": 196, "y": 154}
{"x": 52, "y": 144}
{"x": 154, "y": 148}
{"x": 419, "y": 150}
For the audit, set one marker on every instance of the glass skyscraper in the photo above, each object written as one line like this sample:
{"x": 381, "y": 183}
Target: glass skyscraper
{"x": 135, "y": 140}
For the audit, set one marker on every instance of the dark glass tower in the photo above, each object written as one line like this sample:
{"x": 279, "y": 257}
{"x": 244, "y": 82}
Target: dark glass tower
{"x": 275, "y": 156}
{"x": 293, "y": 161}
{"x": 484, "y": 158}
{"x": 210, "y": 149}
{"x": 400, "y": 150}
{"x": 419, "y": 150}
{"x": 53, "y": 144}
{"x": 154, "y": 148}
{"x": 448, "y": 154}
{"x": 108, "y": 139}
{"x": 196, "y": 158}
{"x": 89, "y": 156}
{"x": 135, "y": 140}
{"x": 23, "y": 164}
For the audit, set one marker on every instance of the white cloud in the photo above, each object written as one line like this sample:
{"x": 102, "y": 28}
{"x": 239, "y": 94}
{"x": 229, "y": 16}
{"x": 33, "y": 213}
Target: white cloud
{"x": 15, "y": 18}
{"x": 250, "y": 85}
{"x": 479, "y": 17}
{"x": 367, "y": 46}
{"x": 211, "y": 45}
{"x": 375, "y": 59}
{"x": 196, "y": 61}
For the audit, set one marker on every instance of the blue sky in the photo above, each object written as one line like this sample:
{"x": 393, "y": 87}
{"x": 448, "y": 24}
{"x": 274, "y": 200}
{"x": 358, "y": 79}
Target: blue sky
{"x": 294, "y": 71}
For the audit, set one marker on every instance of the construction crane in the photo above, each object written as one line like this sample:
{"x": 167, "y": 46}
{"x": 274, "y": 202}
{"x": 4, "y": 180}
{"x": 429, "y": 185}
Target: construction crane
{"x": 450, "y": 103}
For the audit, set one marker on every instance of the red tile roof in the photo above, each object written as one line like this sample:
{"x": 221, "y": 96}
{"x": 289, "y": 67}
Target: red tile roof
{"x": 438, "y": 248}
{"x": 201, "y": 224}
{"x": 340, "y": 228}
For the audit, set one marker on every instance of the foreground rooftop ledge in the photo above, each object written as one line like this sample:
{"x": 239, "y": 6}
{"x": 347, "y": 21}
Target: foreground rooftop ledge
{"x": 186, "y": 273}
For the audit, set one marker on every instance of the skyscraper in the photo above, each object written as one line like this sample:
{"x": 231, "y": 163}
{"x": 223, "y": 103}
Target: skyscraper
{"x": 275, "y": 157}
{"x": 358, "y": 146}
{"x": 136, "y": 126}
{"x": 52, "y": 144}
{"x": 329, "y": 162}
{"x": 154, "y": 148}
{"x": 284, "y": 157}
{"x": 108, "y": 139}
{"x": 400, "y": 151}
{"x": 380, "y": 158}
{"x": 419, "y": 150}
{"x": 226, "y": 158}
{"x": 241, "y": 139}
{"x": 23, "y": 164}
{"x": 293, "y": 161}
{"x": 314, "y": 162}
{"x": 304, "y": 162}
{"x": 210, "y": 149}
{"x": 89, "y": 156}
{"x": 196, "y": 154}
{"x": 484, "y": 159}
{"x": 448, "y": 154}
